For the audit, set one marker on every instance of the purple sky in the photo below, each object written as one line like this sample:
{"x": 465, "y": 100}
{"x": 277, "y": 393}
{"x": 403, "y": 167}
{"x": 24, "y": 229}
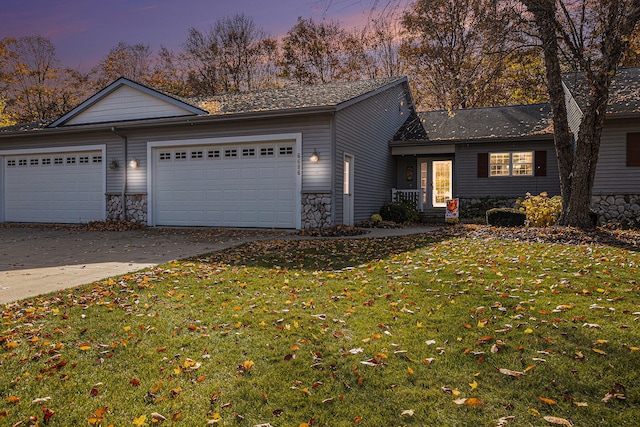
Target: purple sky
{"x": 84, "y": 31}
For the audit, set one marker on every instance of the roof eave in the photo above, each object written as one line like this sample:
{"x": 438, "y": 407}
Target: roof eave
{"x": 169, "y": 121}
{"x": 435, "y": 142}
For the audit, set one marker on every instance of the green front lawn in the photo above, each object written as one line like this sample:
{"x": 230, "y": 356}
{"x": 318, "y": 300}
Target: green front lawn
{"x": 410, "y": 331}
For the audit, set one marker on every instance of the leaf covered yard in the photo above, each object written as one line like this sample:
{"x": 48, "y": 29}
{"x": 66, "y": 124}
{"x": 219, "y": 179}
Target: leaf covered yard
{"x": 450, "y": 329}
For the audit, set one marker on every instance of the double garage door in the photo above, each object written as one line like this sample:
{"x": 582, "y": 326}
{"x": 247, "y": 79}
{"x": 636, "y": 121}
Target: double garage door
{"x": 65, "y": 187}
{"x": 239, "y": 185}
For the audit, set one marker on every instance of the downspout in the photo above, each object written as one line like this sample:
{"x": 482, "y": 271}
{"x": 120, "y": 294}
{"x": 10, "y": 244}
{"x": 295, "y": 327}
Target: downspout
{"x": 124, "y": 173}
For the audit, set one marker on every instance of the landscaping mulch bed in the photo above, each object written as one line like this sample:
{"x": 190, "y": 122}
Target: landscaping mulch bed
{"x": 560, "y": 235}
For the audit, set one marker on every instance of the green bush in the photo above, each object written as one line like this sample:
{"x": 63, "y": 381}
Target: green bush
{"x": 396, "y": 212}
{"x": 506, "y": 217}
{"x": 541, "y": 210}
{"x": 479, "y": 209}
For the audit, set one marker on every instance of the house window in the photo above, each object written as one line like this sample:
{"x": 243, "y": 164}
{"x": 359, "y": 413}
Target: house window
{"x": 511, "y": 164}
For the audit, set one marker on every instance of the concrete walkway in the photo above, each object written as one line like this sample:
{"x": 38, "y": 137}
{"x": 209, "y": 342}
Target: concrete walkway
{"x": 38, "y": 260}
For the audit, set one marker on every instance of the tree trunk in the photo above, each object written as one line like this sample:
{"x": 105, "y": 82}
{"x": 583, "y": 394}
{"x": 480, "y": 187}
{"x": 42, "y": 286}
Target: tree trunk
{"x": 544, "y": 15}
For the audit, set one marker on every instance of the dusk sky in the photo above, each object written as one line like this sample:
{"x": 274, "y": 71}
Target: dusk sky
{"x": 84, "y": 31}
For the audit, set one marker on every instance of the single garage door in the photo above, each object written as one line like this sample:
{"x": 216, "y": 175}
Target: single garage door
{"x": 54, "y": 187}
{"x": 240, "y": 185}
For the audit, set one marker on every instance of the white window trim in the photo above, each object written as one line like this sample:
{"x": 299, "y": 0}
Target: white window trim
{"x": 511, "y": 174}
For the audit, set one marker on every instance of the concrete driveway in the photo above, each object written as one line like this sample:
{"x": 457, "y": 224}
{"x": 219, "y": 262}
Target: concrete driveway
{"x": 36, "y": 260}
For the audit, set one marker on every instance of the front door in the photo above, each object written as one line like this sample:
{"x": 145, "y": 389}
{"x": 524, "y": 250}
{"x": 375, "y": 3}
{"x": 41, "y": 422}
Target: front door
{"x": 436, "y": 181}
{"x": 347, "y": 190}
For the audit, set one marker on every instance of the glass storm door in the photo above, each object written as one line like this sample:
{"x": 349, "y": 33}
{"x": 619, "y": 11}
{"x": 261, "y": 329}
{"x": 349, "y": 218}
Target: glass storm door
{"x": 441, "y": 183}
{"x": 347, "y": 191}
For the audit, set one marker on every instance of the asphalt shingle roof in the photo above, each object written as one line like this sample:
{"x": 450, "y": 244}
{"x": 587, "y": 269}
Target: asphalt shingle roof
{"x": 624, "y": 93}
{"x": 480, "y": 123}
{"x": 292, "y": 97}
{"x": 288, "y": 98}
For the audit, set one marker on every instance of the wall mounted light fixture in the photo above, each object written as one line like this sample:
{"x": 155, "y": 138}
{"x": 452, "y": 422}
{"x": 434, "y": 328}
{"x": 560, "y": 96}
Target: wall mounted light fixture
{"x": 134, "y": 164}
{"x": 113, "y": 164}
{"x": 314, "y": 157}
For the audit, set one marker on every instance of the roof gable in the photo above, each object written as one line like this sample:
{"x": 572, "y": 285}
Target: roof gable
{"x": 125, "y": 100}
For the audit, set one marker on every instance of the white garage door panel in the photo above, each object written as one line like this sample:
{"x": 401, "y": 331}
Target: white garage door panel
{"x": 58, "y": 187}
{"x": 243, "y": 185}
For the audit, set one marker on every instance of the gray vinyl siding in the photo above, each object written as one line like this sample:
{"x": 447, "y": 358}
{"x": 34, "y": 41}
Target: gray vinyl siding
{"x": 402, "y": 163}
{"x": 613, "y": 176}
{"x": 364, "y": 130}
{"x": 315, "y": 135}
{"x": 574, "y": 114}
{"x": 470, "y": 186}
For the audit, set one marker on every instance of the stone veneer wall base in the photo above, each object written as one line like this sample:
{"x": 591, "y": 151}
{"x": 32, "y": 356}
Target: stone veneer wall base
{"x": 316, "y": 210}
{"x": 136, "y": 205}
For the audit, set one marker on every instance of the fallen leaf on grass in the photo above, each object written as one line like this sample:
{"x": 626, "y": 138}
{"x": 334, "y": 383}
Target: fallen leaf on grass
{"x": 501, "y": 422}
{"x": 472, "y": 402}
{"x": 47, "y": 414}
{"x": 41, "y": 400}
{"x": 557, "y": 421}
{"x": 157, "y": 418}
{"x": 612, "y": 395}
{"x": 13, "y": 399}
{"x": 97, "y": 417}
{"x": 547, "y": 401}
{"x": 509, "y": 372}
{"x": 140, "y": 421}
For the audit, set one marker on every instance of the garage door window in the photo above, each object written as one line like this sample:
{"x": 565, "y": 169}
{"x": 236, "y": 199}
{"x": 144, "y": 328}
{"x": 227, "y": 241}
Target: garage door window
{"x": 58, "y": 161}
{"x": 286, "y": 151}
{"x": 97, "y": 159}
{"x": 71, "y": 160}
{"x": 46, "y": 161}
{"x": 196, "y": 154}
{"x": 267, "y": 152}
{"x": 231, "y": 153}
{"x": 11, "y": 163}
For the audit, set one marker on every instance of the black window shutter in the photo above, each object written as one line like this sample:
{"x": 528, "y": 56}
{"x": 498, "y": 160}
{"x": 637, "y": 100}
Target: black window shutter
{"x": 540, "y": 163}
{"x": 633, "y": 149}
{"x": 483, "y": 165}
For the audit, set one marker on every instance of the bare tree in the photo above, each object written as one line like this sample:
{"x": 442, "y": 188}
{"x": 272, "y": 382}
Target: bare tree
{"x": 125, "y": 60}
{"x": 593, "y": 36}
{"x": 32, "y": 85}
{"x": 456, "y": 50}
{"x": 313, "y": 52}
{"x": 231, "y": 56}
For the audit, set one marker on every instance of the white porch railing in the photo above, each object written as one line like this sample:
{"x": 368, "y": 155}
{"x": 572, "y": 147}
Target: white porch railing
{"x": 412, "y": 196}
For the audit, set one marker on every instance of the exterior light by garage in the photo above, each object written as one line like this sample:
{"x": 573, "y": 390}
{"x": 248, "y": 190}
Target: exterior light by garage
{"x": 314, "y": 157}
{"x": 113, "y": 164}
{"x": 134, "y": 164}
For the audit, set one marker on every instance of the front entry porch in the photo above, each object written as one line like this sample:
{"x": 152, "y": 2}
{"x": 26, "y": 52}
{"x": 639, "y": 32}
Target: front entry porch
{"x": 435, "y": 182}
